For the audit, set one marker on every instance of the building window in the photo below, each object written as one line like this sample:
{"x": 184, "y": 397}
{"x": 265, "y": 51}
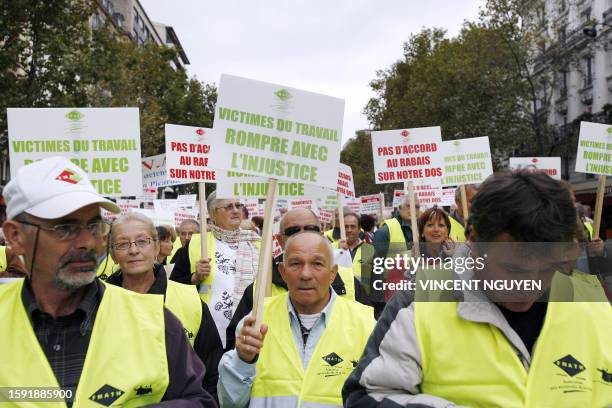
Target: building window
{"x": 585, "y": 16}
{"x": 563, "y": 80}
{"x": 562, "y": 6}
{"x": 562, "y": 35}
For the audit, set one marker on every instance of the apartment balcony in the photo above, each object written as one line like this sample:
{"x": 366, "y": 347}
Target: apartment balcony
{"x": 586, "y": 95}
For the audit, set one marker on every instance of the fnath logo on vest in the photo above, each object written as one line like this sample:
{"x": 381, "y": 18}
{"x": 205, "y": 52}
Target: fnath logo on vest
{"x": 332, "y": 359}
{"x": 106, "y": 395}
{"x": 143, "y": 390}
{"x": 570, "y": 365}
{"x": 605, "y": 375}
{"x": 188, "y": 333}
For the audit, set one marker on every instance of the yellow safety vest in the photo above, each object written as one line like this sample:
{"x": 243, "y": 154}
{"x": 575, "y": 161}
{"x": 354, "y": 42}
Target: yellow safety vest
{"x": 396, "y": 235}
{"x": 330, "y": 235}
{"x": 3, "y": 261}
{"x": 184, "y": 301}
{"x": 281, "y": 380}
{"x": 128, "y": 368}
{"x": 589, "y": 227}
{"x": 457, "y": 231}
{"x": 571, "y": 362}
{"x": 176, "y": 245}
{"x": 107, "y": 268}
{"x": 195, "y": 255}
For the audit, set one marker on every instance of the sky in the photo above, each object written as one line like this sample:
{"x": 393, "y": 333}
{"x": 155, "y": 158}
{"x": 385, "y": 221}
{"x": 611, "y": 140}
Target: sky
{"x": 333, "y": 47}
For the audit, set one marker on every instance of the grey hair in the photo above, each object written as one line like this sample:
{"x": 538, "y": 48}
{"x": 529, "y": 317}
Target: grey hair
{"x": 330, "y": 250}
{"x": 211, "y": 202}
{"x": 133, "y": 216}
{"x": 189, "y": 221}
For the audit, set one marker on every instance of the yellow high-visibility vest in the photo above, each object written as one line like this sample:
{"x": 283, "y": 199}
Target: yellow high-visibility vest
{"x": 396, "y": 235}
{"x": 126, "y": 362}
{"x": 457, "y": 231}
{"x": 184, "y": 301}
{"x": 570, "y": 364}
{"x": 281, "y": 380}
{"x": 3, "y": 260}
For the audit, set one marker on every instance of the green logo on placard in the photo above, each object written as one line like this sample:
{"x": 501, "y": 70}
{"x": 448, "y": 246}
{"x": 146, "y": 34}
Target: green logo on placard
{"x": 74, "y": 115}
{"x": 609, "y": 130}
{"x": 456, "y": 143}
{"x": 283, "y": 94}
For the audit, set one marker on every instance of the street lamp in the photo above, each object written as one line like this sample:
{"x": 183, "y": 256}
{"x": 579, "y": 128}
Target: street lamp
{"x": 592, "y": 31}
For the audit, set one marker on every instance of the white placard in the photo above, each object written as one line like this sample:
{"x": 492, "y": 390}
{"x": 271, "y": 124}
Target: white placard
{"x": 548, "y": 165}
{"x": 370, "y": 204}
{"x": 326, "y": 216}
{"x": 275, "y": 131}
{"x": 429, "y": 194}
{"x": 448, "y": 196}
{"x": 165, "y": 205}
{"x": 594, "y": 149}
{"x": 466, "y": 161}
{"x": 154, "y": 172}
{"x": 158, "y": 217}
{"x": 346, "y": 185}
{"x": 188, "y": 153}
{"x": 125, "y": 205}
{"x": 104, "y": 142}
{"x": 239, "y": 185}
{"x": 308, "y": 203}
{"x": 354, "y": 204}
{"x": 186, "y": 200}
{"x": 407, "y": 154}
{"x": 185, "y": 214}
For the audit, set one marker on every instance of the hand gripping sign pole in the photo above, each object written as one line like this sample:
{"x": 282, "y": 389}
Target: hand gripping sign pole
{"x": 601, "y": 189}
{"x": 203, "y": 229}
{"x": 464, "y": 205}
{"x": 265, "y": 254}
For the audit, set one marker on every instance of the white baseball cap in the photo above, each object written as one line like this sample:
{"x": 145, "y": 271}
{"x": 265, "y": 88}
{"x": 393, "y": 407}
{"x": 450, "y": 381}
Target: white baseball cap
{"x": 51, "y": 188}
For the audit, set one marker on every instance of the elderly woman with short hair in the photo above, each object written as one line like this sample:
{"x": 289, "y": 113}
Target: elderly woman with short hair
{"x": 134, "y": 247}
{"x": 230, "y": 265}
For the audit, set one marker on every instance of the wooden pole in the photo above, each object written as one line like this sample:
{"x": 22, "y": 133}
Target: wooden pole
{"x": 464, "y": 205}
{"x": 601, "y": 192}
{"x": 341, "y": 216}
{"x": 203, "y": 229}
{"x": 381, "y": 213}
{"x": 416, "y": 250}
{"x": 265, "y": 255}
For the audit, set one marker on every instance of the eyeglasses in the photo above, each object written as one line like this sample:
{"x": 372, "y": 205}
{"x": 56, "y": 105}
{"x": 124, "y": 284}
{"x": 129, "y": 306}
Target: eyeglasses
{"x": 231, "y": 206}
{"x": 126, "y": 245}
{"x": 294, "y": 230}
{"x": 68, "y": 232}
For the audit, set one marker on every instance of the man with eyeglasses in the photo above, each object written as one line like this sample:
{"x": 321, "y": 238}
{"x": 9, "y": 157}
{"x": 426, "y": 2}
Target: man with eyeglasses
{"x": 64, "y": 328}
{"x": 293, "y": 222}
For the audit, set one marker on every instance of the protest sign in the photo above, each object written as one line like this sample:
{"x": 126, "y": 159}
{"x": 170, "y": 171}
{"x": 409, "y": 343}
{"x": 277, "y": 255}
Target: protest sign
{"x": 183, "y": 214}
{"x": 278, "y": 132}
{"x": 346, "y": 185}
{"x": 370, "y": 204}
{"x": 104, "y": 142}
{"x": 407, "y": 154}
{"x": 595, "y": 156}
{"x": 148, "y": 195}
{"x": 429, "y": 193}
{"x": 398, "y": 195}
{"x": 187, "y": 153}
{"x": 354, "y": 204}
{"x": 154, "y": 172}
{"x": 251, "y": 205}
{"x": 239, "y": 185}
{"x": 326, "y": 216}
{"x": 548, "y": 165}
{"x": 307, "y": 203}
{"x": 125, "y": 204}
{"x": 594, "y": 149}
{"x": 158, "y": 217}
{"x": 186, "y": 201}
{"x": 448, "y": 196}
{"x": 466, "y": 161}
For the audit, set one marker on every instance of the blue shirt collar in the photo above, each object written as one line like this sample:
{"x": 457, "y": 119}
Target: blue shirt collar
{"x": 324, "y": 313}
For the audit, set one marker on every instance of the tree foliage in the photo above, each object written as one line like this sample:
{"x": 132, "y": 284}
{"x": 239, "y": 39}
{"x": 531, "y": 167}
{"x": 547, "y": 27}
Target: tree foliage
{"x": 50, "y": 57}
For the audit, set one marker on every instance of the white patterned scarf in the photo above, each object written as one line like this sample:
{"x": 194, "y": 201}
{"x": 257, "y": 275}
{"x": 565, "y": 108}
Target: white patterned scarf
{"x": 247, "y": 257}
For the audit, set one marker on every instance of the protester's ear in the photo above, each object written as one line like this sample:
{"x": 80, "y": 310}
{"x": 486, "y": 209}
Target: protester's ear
{"x": 14, "y": 236}
{"x": 281, "y": 270}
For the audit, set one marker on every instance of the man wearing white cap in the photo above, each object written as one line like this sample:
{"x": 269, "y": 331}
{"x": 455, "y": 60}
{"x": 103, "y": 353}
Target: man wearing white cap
{"x": 62, "y": 327}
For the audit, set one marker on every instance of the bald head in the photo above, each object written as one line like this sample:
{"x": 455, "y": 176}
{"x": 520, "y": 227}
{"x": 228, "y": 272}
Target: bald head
{"x": 310, "y": 241}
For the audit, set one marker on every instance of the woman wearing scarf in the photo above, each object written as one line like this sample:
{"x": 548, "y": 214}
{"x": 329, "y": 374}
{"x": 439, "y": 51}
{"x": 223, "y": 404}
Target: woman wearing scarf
{"x": 230, "y": 266}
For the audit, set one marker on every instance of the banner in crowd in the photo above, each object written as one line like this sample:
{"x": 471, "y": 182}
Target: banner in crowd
{"x": 448, "y": 196}
{"x": 370, "y": 204}
{"x": 466, "y": 161}
{"x": 158, "y": 217}
{"x": 594, "y": 149}
{"x": 354, "y": 204}
{"x": 548, "y": 165}
{"x": 407, "y": 154}
{"x": 275, "y": 131}
{"x": 346, "y": 185}
{"x": 154, "y": 172}
{"x": 187, "y": 154}
{"x": 183, "y": 214}
{"x": 166, "y": 205}
{"x": 326, "y": 216}
{"x": 309, "y": 203}
{"x": 239, "y": 185}
{"x": 186, "y": 200}
{"x": 125, "y": 204}
{"x": 104, "y": 142}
